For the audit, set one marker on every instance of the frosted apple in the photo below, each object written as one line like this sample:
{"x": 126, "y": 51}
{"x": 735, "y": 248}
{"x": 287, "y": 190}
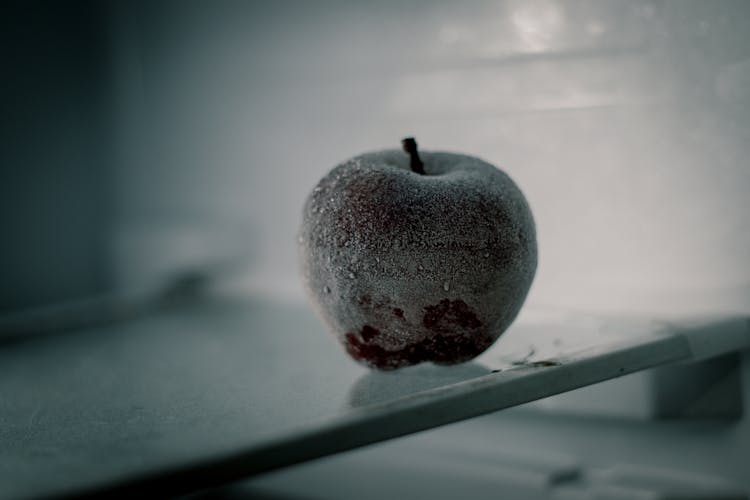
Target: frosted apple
{"x": 412, "y": 257}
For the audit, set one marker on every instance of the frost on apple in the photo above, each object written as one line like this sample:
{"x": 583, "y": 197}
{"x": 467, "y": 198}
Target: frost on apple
{"x": 406, "y": 267}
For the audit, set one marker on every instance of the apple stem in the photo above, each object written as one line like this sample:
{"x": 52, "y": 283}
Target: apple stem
{"x": 410, "y": 147}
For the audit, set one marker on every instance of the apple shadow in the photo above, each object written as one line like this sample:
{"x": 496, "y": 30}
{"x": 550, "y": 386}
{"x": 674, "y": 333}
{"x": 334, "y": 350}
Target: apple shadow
{"x": 379, "y": 386}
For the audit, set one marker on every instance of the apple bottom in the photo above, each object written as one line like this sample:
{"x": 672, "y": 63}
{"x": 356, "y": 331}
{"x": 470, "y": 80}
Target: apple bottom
{"x": 450, "y": 333}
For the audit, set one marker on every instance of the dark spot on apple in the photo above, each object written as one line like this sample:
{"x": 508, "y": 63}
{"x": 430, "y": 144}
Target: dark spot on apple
{"x": 398, "y": 312}
{"x": 445, "y": 316}
{"x": 369, "y": 333}
{"x": 440, "y": 349}
{"x": 365, "y": 300}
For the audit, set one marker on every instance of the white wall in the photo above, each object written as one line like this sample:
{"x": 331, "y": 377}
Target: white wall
{"x": 627, "y": 124}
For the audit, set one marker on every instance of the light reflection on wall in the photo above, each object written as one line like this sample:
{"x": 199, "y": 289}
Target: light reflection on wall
{"x": 537, "y": 25}
{"x": 626, "y": 123}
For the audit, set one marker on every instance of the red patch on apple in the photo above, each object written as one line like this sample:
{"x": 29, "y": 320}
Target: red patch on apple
{"x": 369, "y": 333}
{"x": 445, "y": 316}
{"x": 440, "y": 349}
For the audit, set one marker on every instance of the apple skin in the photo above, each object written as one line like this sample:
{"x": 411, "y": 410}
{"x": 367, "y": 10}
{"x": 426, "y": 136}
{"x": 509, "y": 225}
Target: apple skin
{"x": 406, "y": 268}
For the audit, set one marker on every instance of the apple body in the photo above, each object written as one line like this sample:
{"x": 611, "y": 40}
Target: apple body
{"x": 406, "y": 267}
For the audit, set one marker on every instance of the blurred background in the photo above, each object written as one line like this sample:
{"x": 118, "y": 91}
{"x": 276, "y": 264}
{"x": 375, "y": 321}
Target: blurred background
{"x": 144, "y": 143}
{"x": 152, "y": 147}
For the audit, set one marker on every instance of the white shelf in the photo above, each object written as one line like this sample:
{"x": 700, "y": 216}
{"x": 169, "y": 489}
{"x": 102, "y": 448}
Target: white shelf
{"x": 202, "y": 394}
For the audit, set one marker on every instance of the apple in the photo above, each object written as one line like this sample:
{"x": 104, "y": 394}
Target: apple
{"x": 411, "y": 258}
